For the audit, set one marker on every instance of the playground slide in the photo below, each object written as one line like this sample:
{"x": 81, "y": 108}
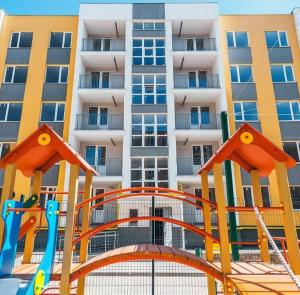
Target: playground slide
{"x": 15, "y": 286}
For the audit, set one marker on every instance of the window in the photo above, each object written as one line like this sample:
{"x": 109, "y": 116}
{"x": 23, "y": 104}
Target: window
{"x": 245, "y": 111}
{"x": 211, "y": 193}
{"x": 288, "y": 111}
{"x": 53, "y": 112}
{"x": 282, "y": 74}
{"x": 241, "y": 74}
{"x": 46, "y": 195}
{"x": 276, "y": 39}
{"x": 149, "y": 130}
{"x": 60, "y": 40}
{"x": 149, "y": 172}
{"x": 200, "y": 79}
{"x": 95, "y": 155}
{"x": 10, "y": 112}
{"x": 149, "y": 89}
{"x": 199, "y": 116}
{"x": 57, "y": 74}
{"x": 97, "y": 192}
{"x": 248, "y": 196}
{"x": 20, "y": 40}
{"x": 132, "y": 214}
{"x": 148, "y": 26}
{"x": 148, "y": 52}
{"x": 98, "y": 116}
{"x": 292, "y": 149}
{"x": 201, "y": 154}
{"x": 295, "y": 195}
{"x": 4, "y": 149}
{"x": 15, "y": 74}
{"x": 237, "y": 39}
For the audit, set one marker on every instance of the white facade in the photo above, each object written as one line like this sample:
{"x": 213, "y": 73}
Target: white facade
{"x": 105, "y": 102}
{"x": 296, "y": 13}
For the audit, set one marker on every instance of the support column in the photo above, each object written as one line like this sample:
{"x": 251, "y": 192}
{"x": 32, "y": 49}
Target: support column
{"x": 85, "y": 227}
{"x": 223, "y": 228}
{"x": 208, "y": 228}
{"x": 68, "y": 243}
{"x": 288, "y": 217}
{"x": 7, "y": 191}
{"x": 258, "y": 202}
{"x": 30, "y": 236}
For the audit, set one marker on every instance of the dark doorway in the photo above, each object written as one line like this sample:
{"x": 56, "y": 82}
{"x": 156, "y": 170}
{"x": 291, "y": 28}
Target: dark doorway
{"x": 159, "y": 227}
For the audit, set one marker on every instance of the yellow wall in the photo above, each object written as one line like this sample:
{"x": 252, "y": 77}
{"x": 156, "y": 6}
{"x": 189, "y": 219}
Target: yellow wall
{"x": 41, "y": 26}
{"x": 256, "y": 25}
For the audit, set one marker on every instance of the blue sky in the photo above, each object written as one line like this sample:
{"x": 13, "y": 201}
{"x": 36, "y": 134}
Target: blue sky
{"x": 70, "y": 7}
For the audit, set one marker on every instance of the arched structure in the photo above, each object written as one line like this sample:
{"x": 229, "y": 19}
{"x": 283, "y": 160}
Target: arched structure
{"x": 146, "y": 252}
{"x": 92, "y": 232}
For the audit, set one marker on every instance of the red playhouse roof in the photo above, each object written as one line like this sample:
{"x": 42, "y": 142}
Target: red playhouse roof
{"x": 251, "y": 150}
{"x": 40, "y": 151}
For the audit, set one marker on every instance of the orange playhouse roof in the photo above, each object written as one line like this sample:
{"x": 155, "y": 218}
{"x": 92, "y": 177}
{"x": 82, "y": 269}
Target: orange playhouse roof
{"x": 251, "y": 150}
{"x": 40, "y": 151}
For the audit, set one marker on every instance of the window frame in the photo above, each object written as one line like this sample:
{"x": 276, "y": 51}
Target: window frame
{"x": 1, "y": 148}
{"x": 279, "y": 39}
{"x": 284, "y": 66}
{"x": 63, "y": 40}
{"x": 59, "y": 74}
{"x": 147, "y": 22}
{"x": 234, "y": 39}
{"x": 297, "y": 143}
{"x": 237, "y": 66}
{"x": 243, "y": 112}
{"x": 56, "y": 111}
{"x": 7, "y": 111}
{"x": 19, "y": 39}
{"x": 291, "y": 109}
{"x": 294, "y": 209}
{"x": 252, "y": 197}
{"x": 46, "y": 196}
{"x": 143, "y": 126}
{"x": 202, "y": 159}
{"x": 210, "y": 190}
{"x": 98, "y": 119}
{"x": 13, "y": 74}
{"x": 96, "y": 158}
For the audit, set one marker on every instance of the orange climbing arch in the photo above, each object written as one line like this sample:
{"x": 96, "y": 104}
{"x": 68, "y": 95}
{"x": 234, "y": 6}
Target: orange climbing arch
{"x": 146, "y": 252}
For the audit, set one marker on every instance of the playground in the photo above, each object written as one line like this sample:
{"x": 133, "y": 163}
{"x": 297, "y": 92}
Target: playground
{"x": 71, "y": 262}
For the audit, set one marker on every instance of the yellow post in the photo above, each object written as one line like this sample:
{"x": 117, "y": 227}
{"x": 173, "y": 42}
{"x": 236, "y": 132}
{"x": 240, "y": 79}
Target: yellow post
{"x": 30, "y": 236}
{"x": 68, "y": 243}
{"x": 208, "y": 228}
{"x": 7, "y": 191}
{"x": 258, "y": 201}
{"x": 288, "y": 217}
{"x": 85, "y": 227}
{"x": 223, "y": 229}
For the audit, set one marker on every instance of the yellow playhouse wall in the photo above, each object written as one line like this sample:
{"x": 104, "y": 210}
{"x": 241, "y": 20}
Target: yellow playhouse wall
{"x": 256, "y": 25}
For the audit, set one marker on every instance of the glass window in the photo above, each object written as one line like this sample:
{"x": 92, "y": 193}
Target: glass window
{"x": 288, "y": 111}
{"x": 295, "y": 195}
{"x": 60, "y": 40}
{"x": 282, "y": 73}
{"x": 52, "y": 112}
{"x": 276, "y": 39}
{"x": 292, "y": 148}
{"x": 132, "y": 214}
{"x": 265, "y": 196}
{"x": 245, "y": 111}
{"x": 15, "y": 74}
{"x": 20, "y": 40}
{"x": 10, "y": 111}
{"x": 148, "y": 25}
{"x": 57, "y": 74}
{"x": 248, "y": 196}
{"x": 201, "y": 154}
{"x": 4, "y": 149}
{"x": 247, "y": 192}
{"x": 241, "y": 74}
{"x": 237, "y": 39}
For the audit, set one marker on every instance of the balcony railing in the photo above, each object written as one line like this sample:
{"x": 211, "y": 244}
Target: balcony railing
{"x": 200, "y": 81}
{"x": 106, "y": 166}
{"x": 189, "y": 166}
{"x": 194, "y": 44}
{"x": 196, "y": 121}
{"x": 99, "y": 121}
{"x": 101, "y": 81}
{"x": 102, "y": 44}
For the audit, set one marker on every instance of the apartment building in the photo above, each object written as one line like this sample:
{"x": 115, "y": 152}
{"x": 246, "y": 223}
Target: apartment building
{"x": 146, "y": 101}
{"x": 37, "y": 55}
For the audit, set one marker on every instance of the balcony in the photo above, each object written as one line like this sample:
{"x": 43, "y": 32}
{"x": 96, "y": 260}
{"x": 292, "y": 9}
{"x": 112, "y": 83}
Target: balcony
{"x": 203, "y": 89}
{"x": 104, "y": 87}
{"x": 195, "y": 121}
{"x": 194, "y": 52}
{"x": 102, "y": 52}
{"x": 188, "y": 166}
{"x": 99, "y": 122}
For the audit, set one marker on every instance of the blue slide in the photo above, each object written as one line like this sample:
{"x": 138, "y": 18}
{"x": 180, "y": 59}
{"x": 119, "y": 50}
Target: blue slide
{"x": 15, "y": 286}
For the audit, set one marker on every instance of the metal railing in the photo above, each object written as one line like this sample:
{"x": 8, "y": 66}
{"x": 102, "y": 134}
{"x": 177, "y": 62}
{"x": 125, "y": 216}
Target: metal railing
{"x": 103, "y": 44}
{"x": 106, "y": 166}
{"x": 197, "y": 121}
{"x": 99, "y": 122}
{"x": 189, "y": 166}
{"x": 101, "y": 81}
{"x": 200, "y": 81}
{"x": 194, "y": 44}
